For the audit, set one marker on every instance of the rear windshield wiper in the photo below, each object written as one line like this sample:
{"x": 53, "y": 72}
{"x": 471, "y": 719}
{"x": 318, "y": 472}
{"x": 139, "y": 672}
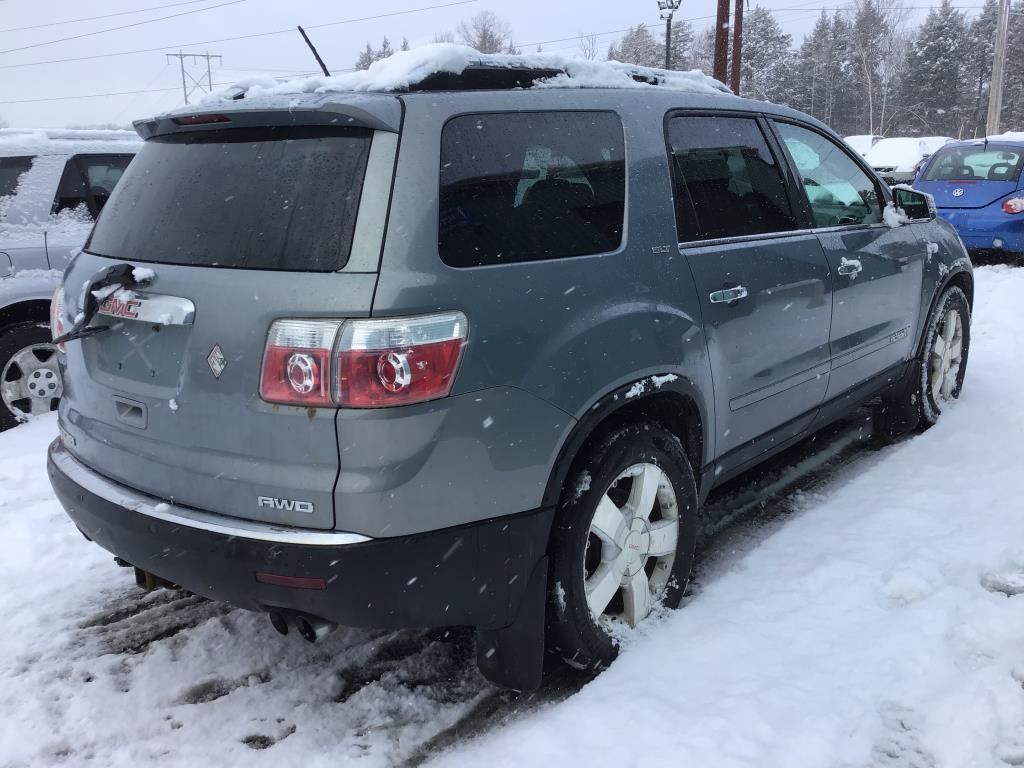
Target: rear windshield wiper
{"x": 120, "y": 275}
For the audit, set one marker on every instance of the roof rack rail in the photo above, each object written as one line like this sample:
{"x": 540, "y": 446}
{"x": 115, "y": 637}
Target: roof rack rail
{"x": 484, "y": 77}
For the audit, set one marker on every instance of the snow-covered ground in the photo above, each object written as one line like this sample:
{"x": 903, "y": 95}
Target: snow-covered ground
{"x": 878, "y": 624}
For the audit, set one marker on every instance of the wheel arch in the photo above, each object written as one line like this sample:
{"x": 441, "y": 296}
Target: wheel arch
{"x": 24, "y": 312}
{"x": 959, "y": 277}
{"x": 667, "y": 399}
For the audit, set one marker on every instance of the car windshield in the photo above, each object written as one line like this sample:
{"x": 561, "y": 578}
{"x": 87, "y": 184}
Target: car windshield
{"x": 262, "y": 198}
{"x": 982, "y": 163}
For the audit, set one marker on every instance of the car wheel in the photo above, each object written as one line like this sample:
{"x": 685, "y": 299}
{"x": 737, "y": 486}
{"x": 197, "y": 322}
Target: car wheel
{"x": 622, "y": 543}
{"x": 30, "y": 382}
{"x": 936, "y": 375}
{"x": 944, "y": 360}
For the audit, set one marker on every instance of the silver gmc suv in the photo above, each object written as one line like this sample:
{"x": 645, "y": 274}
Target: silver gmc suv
{"x": 471, "y": 347}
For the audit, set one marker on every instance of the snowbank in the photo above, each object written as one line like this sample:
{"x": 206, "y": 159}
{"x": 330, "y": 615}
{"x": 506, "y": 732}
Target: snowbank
{"x": 405, "y": 68}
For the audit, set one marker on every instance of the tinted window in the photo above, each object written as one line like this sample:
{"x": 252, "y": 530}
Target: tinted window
{"x": 964, "y": 163}
{"x": 526, "y": 186}
{"x": 88, "y": 181}
{"x": 11, "y": 169}
{"x": 266, "y": 198}
{"x": 839, "y": 190}
{"x": 726, "y": 181}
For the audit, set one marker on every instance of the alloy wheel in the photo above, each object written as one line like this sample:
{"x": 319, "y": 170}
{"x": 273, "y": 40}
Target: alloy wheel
{"x": 631, "y": 545}
{"x": 946, "y": 357}
{"x": 30, "y": 383}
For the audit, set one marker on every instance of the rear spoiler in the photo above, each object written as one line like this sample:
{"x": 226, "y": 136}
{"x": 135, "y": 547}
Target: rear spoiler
{"x": 344, "y": 110}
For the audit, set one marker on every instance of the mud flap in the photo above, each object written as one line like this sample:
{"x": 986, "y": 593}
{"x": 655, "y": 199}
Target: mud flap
{"x": 513, "y": 656}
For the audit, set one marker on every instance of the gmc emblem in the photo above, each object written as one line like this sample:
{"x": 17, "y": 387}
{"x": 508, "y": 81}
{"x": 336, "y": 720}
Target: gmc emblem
{"x": 118, "y": 308}
{"x": 288, "y": 505}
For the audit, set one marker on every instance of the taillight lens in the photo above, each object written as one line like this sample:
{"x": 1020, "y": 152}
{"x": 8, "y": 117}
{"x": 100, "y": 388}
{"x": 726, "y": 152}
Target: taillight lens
{"x": 398, "y": 361}
{"x": 362, "y": 363}
{"x": 1014, "y": 205}
{"x": 297, "y": 362}
{"x": 57, "y": 315}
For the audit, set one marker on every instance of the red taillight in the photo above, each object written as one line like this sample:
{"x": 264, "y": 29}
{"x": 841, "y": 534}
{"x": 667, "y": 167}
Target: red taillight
{"x": 57, "y": 315}
{"x": 297, "y": 362}
{"x": 362, "y": 363}
{"x": 398, "y": 361}
{"x": 201, "y": 119}
{"x": 1014, "y": 205}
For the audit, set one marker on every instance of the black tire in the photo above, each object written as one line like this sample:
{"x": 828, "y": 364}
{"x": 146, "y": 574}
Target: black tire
{"x": 573, "y": 634}
{"x": 914, "y": 406}
{"x": 13, "y": 339}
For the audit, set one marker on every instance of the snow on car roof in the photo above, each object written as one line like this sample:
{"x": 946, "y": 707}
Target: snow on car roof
{"x": 903, "y": 152}
{"x": 65, "y": 141}
{"x": 404, "y": 70}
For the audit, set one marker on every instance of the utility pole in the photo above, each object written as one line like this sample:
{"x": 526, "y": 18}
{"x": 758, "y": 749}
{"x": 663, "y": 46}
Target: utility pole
{"x": 737, "y": 47}
{"x": 721, "y": 42}
{"x": 995, "y": 90}
{"x": 204, "y": 81}
{"x": 668, "y": 8}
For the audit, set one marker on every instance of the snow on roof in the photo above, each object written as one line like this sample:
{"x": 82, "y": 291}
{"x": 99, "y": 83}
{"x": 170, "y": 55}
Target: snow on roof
{"x": 405, "y": 69}
{"x": 1008, "y": 136}
{"x": 64, "y": 141}
{"x": 903, "y": 153}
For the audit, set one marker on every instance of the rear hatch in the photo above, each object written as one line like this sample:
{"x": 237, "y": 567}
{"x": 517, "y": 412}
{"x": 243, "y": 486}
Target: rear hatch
{"x": 972, "y": 176}
{"x": 230, "y": 228}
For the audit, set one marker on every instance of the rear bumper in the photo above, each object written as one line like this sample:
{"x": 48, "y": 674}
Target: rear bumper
{"x": 987, "y": 228}
{"x": 469, "y": 575}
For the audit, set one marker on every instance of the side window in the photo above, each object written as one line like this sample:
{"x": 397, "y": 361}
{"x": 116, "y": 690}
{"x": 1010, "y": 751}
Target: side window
{"x": 839, "y": 190}
{"x": 725, "y": 179}
{"x": 11, "y": 169}
{"x": 527, "y": 186}
{"x": 88, "y": 181}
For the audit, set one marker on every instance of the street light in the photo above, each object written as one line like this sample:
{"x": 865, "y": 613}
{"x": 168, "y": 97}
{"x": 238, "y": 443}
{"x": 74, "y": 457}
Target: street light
{"x": 668, "y": 8}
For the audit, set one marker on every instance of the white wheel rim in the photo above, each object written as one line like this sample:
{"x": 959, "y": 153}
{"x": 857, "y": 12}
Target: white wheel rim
{"x": 946, "y": 357}
{"x": 623, "y": 540}
{"x": 30, "y": 383}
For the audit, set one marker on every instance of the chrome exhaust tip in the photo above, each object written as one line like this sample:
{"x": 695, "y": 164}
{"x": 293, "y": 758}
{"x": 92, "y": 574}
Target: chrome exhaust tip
{"x": 279, "y": 622}
{"x": 312, "y": 629}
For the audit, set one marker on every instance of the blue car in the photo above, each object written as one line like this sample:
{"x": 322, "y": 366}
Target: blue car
{"x": 978, "y": 187}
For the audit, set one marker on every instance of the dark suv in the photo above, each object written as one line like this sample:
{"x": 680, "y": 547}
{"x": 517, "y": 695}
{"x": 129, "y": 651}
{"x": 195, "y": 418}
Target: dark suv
{"x": 465, "y": 353}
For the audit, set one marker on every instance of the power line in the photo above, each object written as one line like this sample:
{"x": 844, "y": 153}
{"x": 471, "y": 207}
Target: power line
{"x": 123, "y": 26}
{"x": 289, "y": 31}
{"x": 104, "y": 16}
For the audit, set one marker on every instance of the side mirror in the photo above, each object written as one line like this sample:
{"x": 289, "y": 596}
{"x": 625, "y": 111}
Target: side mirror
{"x": 919, "y": 206}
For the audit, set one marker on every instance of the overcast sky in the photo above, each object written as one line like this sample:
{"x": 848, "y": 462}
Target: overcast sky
{"x": 533, "y": 21}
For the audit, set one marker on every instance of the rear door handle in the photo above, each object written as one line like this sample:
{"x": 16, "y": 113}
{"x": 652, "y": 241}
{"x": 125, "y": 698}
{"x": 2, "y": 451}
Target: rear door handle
{"x": 728, "y": 295}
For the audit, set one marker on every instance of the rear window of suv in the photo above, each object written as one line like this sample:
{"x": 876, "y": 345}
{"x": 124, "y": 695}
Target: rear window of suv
{"x": 982, "y": 163}
{"x": 528, "y": 186}
{"x": 261, "y": 198}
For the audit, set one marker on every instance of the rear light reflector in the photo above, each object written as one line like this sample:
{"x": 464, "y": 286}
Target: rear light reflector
{"x": 295, "y": 582}
{"x": 297, "y": 362}
{"x": 57, "y": 315}
{"x": 1014, "y": 205}
{"x": 398, "y": 361}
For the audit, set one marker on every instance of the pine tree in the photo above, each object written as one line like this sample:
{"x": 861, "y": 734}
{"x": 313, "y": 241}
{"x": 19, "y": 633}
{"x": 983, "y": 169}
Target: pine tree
{"x": 682, "y": 43}
{"x": 385, "y": 49}
{"x": 405, "y": 44}
{"x": 638, "y": 46}
{"x": 934, "y": 83}
{"x": 366, "y": 58}
{"x": 702, "y": 52}
{"x": 766, "y": 69}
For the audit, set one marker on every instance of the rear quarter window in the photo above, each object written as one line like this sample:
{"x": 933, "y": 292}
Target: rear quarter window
{"x": 530, "y": 186}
